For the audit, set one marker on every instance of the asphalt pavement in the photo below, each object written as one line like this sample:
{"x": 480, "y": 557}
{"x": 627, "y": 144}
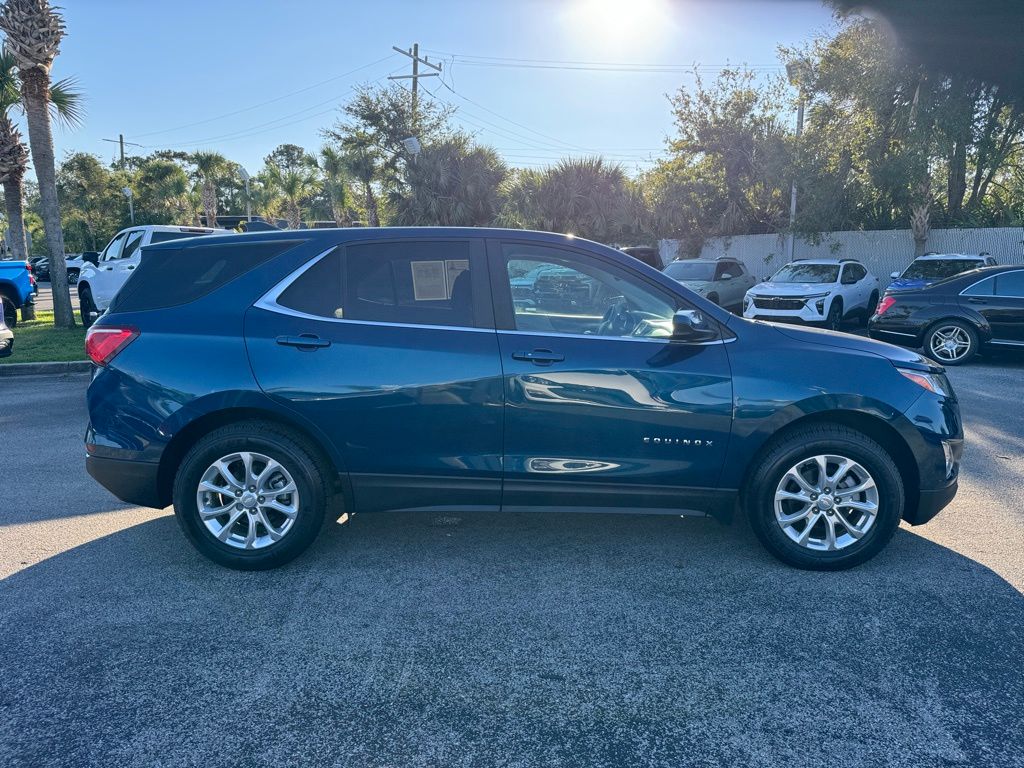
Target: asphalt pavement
{"x": 44, "y": 299}
{"x": 504, "y": 640}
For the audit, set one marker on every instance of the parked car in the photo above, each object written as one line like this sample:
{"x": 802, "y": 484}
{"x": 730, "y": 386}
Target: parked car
{"x": 17, "y": 289}
{"x": 958, "y": 317}
{"x": 721, "y": 281}
{"x": 77, "y": 261}
{"x": 102, "y": 276}
{"x": 818, "y": 291}
{"x": 257, "y": 380}
{"x": 645, "y": 253}
{"x": 6, "y": 338}
{"x": 932, "y": 267}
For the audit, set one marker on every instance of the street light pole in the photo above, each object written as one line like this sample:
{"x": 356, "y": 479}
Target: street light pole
{"x": 792, "y": 190}
{"x": 131, "y": 208}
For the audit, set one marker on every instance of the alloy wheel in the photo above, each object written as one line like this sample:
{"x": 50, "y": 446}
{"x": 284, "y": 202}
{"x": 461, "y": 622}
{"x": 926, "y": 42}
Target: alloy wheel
{"x": 826, "y": 502}
{"x": 247, "y": 500}
{"x": 950, "y": 343}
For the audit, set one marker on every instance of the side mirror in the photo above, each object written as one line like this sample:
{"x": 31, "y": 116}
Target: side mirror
{"x": 92, "y": 257}
{"x": 692, "y": 325}
{"x": 727, "y": 276}
{"x": 894, "y": 275}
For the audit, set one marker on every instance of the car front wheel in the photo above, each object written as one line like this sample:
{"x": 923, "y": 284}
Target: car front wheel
{"x": 251, "y": 496}
{"x": 87, "y": 307}
{"x": 825, "y": 498}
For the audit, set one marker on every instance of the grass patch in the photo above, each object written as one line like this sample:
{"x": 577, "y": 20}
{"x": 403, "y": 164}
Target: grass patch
{"x": 37, "y": 341}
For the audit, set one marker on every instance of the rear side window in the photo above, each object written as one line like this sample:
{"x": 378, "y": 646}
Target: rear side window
{"x": 410, "y": 283}
{"x": 986, "y": 287}
{"x": 170, "y": 277}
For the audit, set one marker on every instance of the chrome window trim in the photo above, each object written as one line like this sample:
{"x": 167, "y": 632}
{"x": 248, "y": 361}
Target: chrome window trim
{"x": 993, "y": 277}
{"x": 658, "y": 339}
{"x": 268, "y": 301}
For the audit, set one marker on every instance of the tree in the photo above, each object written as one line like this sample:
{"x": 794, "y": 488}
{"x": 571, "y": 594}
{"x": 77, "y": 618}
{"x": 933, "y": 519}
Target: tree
{"x": 333, "y": 166}
{"x": 209, "y": 167}
{"x": 363, "y": 161}
{"x": 92, "y": 201}
{"x": 161, "y": 192}
{"x": 452, "y": 183}
{"x": 585, "y": 196}
{"x": 295, "y": 181}
{"x": 34, "y": 30}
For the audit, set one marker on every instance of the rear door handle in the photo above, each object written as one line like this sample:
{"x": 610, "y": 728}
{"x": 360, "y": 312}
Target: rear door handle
{"x": 303, "y": 341}
{"x": 539, "y": 356}
{"x": 975, "y": 300}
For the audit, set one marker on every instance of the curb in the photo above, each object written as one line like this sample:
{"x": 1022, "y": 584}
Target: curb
{"x": 45, "y": 369}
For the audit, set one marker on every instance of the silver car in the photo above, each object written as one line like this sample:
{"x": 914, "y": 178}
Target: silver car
{"x": 723, "y": 281}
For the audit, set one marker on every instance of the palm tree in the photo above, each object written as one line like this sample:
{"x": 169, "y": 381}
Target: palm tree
{"x": 362, "y": 159}
{"x": 210, "y": 166}
{"x": 65, "y": 100}
{"x": 34, "y": 30}
{"x": 294, "y": 185}
{"x": 332, "y": 163}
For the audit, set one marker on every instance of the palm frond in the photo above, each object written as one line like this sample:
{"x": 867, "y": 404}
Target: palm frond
{"x": 67, "y": 102}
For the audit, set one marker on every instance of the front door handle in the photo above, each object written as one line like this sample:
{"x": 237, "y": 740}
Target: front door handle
{"x": 539, "y": 356}
{"x": 303, "y": 341}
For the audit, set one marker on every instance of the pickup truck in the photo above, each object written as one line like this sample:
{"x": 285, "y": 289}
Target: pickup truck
{"x": 17, "y": 289}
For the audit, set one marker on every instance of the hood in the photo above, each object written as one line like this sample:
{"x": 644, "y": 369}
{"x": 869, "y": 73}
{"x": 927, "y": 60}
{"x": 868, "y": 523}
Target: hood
{"x": 695, "y": 285}
{"x": 897, "y": 355}
{"x": 790, "y": 289}
{"x": 909, "y": 283}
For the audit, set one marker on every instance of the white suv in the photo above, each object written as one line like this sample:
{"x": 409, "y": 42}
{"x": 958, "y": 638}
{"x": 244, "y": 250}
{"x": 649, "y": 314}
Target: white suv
{"x": 99, "y": 282}
{"x": 820, "y": 291}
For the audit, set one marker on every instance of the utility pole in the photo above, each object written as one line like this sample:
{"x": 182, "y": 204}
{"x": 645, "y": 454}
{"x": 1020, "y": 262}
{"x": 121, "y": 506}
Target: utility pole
{"x": 798, "y": 71}
{"x": 414, "y": 54}
{"x": 120, "y": 141}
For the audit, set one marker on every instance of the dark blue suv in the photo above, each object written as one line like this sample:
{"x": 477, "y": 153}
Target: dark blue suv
{"x": 256, "y": 381}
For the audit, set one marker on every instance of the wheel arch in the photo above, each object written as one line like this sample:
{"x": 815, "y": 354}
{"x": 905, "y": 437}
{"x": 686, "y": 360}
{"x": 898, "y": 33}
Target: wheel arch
{"x": 193, "y": 431}
{"x": 872, "y": 426}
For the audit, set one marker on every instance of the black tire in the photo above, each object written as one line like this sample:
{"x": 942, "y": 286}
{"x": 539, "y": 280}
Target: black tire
{"x": 872, "y": 304}
{"x": 942, "y": 326}
{"x": 713, "y": 298}
{"x": 86, "y": 307}
{"x": 834, "y": 319}
{"x": 803, "y": 443}
{"x": 10, "y": 312}
{"x": 291, "y": 451}
{"x": 72, "y": 277}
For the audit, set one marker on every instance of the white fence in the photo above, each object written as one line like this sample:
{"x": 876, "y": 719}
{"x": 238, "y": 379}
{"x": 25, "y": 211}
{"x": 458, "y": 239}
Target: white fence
{"x": 882, "y": 252}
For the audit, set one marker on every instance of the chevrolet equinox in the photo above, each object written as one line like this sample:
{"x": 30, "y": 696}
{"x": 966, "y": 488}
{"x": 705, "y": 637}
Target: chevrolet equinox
{"x": 256, "y": 381}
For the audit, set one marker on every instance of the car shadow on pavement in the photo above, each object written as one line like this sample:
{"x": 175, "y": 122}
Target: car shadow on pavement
{"x": 509, "y": 640}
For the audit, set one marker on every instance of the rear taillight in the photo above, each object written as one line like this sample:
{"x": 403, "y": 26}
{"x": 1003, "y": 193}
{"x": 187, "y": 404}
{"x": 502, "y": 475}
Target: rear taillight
{"x": 884, "y": 305}
{"x": 104, "y": 342}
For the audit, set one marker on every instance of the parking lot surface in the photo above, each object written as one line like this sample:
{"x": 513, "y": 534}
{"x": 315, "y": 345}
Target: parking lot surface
{"x": 504, "y": 640}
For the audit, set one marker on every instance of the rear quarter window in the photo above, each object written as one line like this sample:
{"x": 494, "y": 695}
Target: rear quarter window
{"x": 169, "y": 277}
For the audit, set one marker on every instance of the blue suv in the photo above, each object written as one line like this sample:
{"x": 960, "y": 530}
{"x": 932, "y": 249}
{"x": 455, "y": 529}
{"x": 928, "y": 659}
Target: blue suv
{"x": 257, "y": 381}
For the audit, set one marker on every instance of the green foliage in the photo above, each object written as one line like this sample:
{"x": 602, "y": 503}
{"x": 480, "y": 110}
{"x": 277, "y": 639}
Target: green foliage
{"x": 38, "y": 341}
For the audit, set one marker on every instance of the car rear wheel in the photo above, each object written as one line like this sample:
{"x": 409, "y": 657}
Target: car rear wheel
{"x": 10, "y": 312}
{"x": 951, "y": 342}
{"x": 87, "y": 307}
{"x": 872, "y": 305}
{"x": 251, "y": 496}
{"x": 825, "y": 498}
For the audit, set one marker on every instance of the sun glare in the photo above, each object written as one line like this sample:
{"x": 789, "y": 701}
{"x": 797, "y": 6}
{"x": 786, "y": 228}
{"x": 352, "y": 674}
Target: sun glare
{"x": 620, "y": 25}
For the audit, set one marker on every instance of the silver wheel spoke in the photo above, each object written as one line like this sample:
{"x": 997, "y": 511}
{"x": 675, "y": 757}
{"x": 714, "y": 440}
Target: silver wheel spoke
{"x": 804, "y": 498}
{"x": 840, "y": 473}
{"x": 830, "y": 533}
{"x": 853, "y": 529}
{"x": 787, "y": 520}
{"x": 860, "y": 506}
{"x": 805, "y": 534}
{"x": 231, "y": 486}
{"x": 797, "y": 478}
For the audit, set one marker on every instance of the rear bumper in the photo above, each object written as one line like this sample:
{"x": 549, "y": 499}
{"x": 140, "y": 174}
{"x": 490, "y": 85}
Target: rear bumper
{"x": 132, "y": 481}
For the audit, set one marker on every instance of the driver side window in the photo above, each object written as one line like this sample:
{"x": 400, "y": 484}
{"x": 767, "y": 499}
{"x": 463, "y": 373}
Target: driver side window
{"x": 113, "y": 250}
{"x": 557, "y": 291}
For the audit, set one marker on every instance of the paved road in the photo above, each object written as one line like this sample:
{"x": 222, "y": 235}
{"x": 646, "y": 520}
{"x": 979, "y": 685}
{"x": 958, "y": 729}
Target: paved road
{"x": 520, "y": 640}
{"x": 44, "y": 299}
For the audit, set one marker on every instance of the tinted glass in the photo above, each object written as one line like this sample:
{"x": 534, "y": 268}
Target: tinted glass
{"x": 170, "y": 277}
{"x": 556, "y": 291}
{"x": 1010, "y": 284}
{"x": 807, "y": 273}
{"x": 163, "y": 237}
{"x": 131, "y": 244}
{"x": 984, "y": 288}
{"x": 937, "y": 269}
{"x": 726, "y": 268}
{"x": 318, "y": 290}
{"x": 690, "y": 270}
{"x": 113, "y": 251}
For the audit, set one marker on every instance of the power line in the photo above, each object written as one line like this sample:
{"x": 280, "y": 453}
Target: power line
{"x": 268, "y": 101}
{"x": 606, "y": 66}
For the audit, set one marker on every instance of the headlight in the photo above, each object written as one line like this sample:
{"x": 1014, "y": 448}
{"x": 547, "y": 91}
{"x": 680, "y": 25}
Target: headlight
{"x": 933, "y": 382}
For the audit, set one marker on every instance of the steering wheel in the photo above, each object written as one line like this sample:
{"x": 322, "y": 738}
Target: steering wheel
{"x": 618, "y": 320}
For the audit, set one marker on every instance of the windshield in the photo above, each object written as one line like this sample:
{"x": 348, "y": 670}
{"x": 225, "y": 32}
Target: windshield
{"x": 807, "y": 273}
{"x": 690, "y": 270}
{"x": 937, "y": 269}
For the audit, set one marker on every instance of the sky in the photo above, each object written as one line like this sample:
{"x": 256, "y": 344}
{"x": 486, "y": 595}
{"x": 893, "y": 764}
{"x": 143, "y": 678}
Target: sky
{"x": 537, "y": 79}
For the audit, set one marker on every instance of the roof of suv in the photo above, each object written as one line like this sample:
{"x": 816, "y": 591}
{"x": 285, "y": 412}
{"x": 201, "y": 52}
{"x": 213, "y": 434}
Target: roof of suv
{"x": 968, "y": 256}
{"x": 831, "y": 262}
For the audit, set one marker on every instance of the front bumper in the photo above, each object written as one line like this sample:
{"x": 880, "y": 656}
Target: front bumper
{"x": 807, "y": 314}
{"x": 132, "y": 481}
{"x": 930, "y": 503}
